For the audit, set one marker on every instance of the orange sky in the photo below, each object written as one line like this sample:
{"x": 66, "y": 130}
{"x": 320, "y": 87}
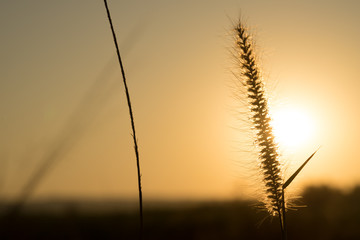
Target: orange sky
{"x": 178, "y": 63}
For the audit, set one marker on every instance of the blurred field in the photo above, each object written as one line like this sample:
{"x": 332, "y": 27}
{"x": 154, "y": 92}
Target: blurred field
{"x": 330, "y": 214}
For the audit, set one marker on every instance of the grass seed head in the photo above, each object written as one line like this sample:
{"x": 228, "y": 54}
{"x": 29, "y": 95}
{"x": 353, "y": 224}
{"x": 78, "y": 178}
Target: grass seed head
{"x": 261, "y": 121}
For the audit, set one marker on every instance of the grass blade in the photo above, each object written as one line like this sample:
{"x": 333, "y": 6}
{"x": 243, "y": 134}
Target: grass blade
{"x": 297, "y": 171}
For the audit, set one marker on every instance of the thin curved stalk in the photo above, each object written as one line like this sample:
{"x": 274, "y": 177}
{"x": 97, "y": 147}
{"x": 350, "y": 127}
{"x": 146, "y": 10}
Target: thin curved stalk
{"x": 131, "y": 118}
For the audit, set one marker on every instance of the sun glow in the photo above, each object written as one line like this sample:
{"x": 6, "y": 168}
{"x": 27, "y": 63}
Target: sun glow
{"x": 291, "y": 127}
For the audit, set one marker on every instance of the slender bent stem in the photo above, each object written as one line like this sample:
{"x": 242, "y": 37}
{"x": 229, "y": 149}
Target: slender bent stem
{"x": 282, "y": 216}
{"x": 281, "y": 212}
{"x": 131, "y": 118}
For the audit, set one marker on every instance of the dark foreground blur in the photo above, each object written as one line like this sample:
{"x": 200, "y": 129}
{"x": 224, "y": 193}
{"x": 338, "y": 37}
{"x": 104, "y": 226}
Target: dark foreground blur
{"x": 330, "y": 214}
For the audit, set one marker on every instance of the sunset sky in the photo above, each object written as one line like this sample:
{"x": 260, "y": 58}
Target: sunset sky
{"x": 62, "y": 96}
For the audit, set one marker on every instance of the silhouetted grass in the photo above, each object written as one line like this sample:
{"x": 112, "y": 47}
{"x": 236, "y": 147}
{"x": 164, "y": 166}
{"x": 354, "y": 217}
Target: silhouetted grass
{"x": 74, "y": 128}
{"x": 131, "y": 118}
{"x": 267, "y": 149}
{"x": 322, "y": 219}
{"x": 268, "y": 155}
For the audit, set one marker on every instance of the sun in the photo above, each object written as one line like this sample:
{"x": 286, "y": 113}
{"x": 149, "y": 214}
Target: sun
{"x": 291, "y": 127}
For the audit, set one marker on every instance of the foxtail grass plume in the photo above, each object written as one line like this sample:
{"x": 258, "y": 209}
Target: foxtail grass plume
{"x": 268, "y": 155}
{"x": 261, "y": 121}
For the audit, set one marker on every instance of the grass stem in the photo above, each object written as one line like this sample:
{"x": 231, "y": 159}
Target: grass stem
{"x": 131, "y": 118}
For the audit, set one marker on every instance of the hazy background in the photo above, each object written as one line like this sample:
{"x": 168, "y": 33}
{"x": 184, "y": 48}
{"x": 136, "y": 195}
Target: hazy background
{"x": 178, "y": 64}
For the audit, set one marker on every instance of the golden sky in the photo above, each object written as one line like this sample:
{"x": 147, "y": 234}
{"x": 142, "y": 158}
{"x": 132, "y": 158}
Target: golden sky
{"x": 62, "y": 96}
